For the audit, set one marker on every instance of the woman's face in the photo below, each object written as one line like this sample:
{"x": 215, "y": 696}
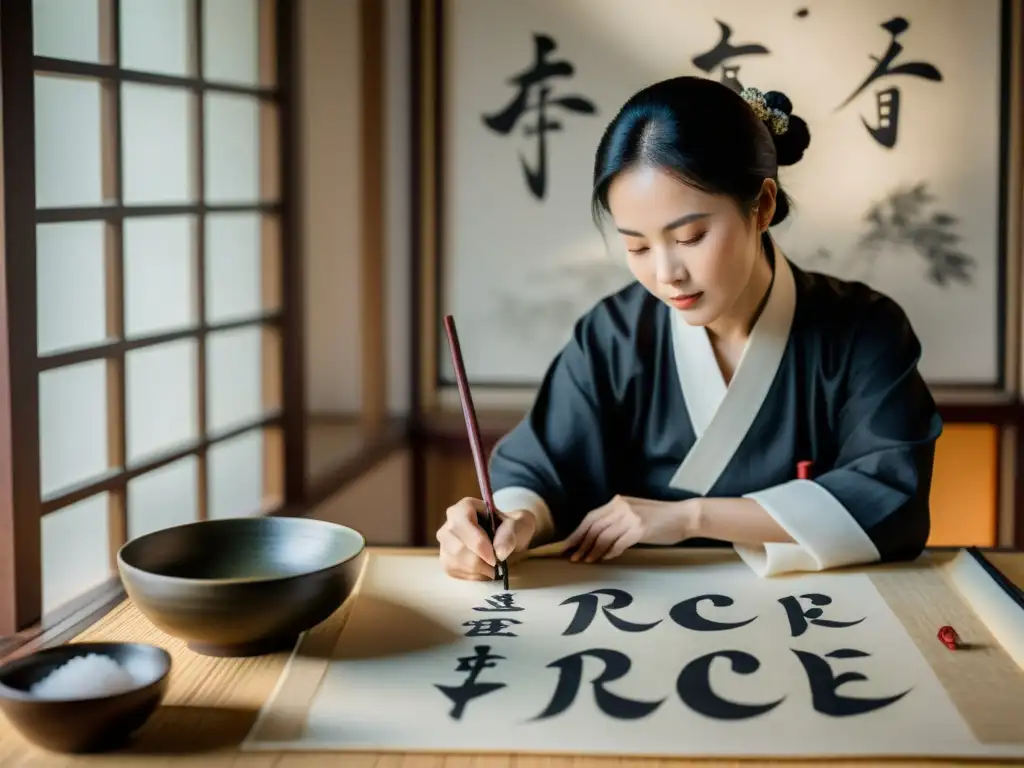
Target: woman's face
{"x": 694, "y": 251}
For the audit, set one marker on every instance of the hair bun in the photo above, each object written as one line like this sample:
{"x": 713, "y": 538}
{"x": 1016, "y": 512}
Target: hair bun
{"x": 780, "y": 101}
{"x": 791, "y": 145}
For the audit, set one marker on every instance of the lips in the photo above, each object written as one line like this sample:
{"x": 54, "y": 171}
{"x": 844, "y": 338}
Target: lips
{"x": 685, "y": 300}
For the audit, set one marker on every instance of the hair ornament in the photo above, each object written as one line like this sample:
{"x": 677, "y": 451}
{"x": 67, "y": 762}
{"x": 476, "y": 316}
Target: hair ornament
{"x": 776, "y": 119}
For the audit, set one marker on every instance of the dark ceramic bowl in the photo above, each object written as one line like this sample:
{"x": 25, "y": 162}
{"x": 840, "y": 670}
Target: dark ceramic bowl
{"x": 89, "y": 723}
{"x": 241, "y": 586}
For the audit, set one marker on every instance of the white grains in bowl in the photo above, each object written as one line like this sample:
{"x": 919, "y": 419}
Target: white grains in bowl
{"x": 83, "y": 676}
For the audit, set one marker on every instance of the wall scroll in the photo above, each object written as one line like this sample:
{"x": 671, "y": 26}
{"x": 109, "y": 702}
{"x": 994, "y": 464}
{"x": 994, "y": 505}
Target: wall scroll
{"x": 904, "y": 185}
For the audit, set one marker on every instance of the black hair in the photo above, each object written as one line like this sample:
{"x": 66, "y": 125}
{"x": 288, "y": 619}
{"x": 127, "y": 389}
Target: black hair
{"x": 704, "y": 133}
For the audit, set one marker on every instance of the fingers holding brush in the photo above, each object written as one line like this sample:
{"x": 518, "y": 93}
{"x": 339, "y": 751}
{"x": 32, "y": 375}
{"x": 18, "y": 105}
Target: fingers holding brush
{"x": 466, "y": 550}
{"x": 514, "y": 534}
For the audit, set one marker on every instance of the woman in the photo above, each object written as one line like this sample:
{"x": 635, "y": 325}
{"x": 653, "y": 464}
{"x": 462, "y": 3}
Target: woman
{"x": 682, "y": 405}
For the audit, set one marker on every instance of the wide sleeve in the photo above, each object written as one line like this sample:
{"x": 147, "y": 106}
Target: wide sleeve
{"x": 872, "y": 503}
{"x": 555, "y": 462}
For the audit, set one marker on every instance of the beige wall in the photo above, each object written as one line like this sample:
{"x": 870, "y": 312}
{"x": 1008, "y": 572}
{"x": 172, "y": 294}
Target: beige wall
{"x": 330, "y": 71}
{"x": 329, "y": 204}
{"x": 377, "y": 504}
{"x": 397, "y": 193}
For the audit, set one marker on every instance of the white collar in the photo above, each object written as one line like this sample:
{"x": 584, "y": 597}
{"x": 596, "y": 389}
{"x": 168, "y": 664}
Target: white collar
{"x": 722, "y": 415}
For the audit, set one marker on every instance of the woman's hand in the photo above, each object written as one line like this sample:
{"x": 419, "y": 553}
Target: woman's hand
{"x": 466, "y": 553}
{"x": 610, "y": 530}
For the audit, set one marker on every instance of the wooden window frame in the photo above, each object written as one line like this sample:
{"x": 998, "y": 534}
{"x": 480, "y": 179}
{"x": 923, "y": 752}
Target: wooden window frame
{"x": 22, "y": 506}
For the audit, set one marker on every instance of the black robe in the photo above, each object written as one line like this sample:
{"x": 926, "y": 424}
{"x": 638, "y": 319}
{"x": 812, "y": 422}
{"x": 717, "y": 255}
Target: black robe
{"x": 636, "y": 405}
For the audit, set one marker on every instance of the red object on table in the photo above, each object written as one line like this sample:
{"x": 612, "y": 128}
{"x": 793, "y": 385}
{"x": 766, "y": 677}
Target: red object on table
{"x": 803, "y": 470}
{"x": 949, "y": 638}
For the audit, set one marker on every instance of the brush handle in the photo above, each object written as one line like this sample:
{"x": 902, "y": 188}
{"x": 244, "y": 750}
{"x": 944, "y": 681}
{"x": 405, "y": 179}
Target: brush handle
{"x": 475, "y": 444}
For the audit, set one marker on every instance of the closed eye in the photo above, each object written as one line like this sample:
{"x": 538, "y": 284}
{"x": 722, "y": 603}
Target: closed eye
{"x": 692, "y": 241}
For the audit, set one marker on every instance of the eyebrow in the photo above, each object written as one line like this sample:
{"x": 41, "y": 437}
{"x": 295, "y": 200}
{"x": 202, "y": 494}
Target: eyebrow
{"x": 671, "y": 225}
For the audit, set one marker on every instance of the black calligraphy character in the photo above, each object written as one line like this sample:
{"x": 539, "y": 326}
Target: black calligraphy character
{"x": 537, "y": 76}
{"x": 490, "y": 627}
{"x": 470, "y": 689}
{"x": 570, "y": 678}
{"x": 694, "y": 687}
{"x": 887, "y": 100}
{"x": 799, "y": 618}
{"x": 724, "y": 51}
{"x": 685, "y": 614}
{"x": 502, "y": 602}
{"x": 586, "y": 610}
{"x": 825, "y": 685}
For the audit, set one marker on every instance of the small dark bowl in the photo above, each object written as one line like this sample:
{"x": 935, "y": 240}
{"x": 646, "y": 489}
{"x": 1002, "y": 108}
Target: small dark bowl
{"x": 89, "y": 723}
{"x": 242, "y": 586}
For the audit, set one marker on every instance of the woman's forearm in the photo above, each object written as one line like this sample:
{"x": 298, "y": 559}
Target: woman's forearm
{"x": 739, "y": 521}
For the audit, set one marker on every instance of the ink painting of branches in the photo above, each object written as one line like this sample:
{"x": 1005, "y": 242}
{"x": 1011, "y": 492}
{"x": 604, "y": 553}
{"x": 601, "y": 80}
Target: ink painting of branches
{"x": 906, "y": 220}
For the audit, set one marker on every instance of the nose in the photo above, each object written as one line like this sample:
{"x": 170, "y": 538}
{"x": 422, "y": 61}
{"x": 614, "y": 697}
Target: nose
{"x": 669, "y": 268}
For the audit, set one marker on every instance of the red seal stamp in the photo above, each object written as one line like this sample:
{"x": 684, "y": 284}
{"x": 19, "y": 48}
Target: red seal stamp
{"x": 949, "y": 638}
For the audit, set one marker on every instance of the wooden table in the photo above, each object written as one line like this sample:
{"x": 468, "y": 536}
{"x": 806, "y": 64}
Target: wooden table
{"x": 212, "y": 703}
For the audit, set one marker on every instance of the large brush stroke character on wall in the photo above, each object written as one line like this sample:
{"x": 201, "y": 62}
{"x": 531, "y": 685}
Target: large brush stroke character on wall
{"x": 887, "y": 100}
{"x": 536, "y": 80}
{"x": 723, "y": 53}
{"x": 681, "y": 406}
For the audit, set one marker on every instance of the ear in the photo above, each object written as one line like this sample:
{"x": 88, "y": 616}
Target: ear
{"x": 765, "y": 208}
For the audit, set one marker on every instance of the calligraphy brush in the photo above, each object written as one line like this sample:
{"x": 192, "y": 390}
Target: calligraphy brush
{"x": 491, "y": 521}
